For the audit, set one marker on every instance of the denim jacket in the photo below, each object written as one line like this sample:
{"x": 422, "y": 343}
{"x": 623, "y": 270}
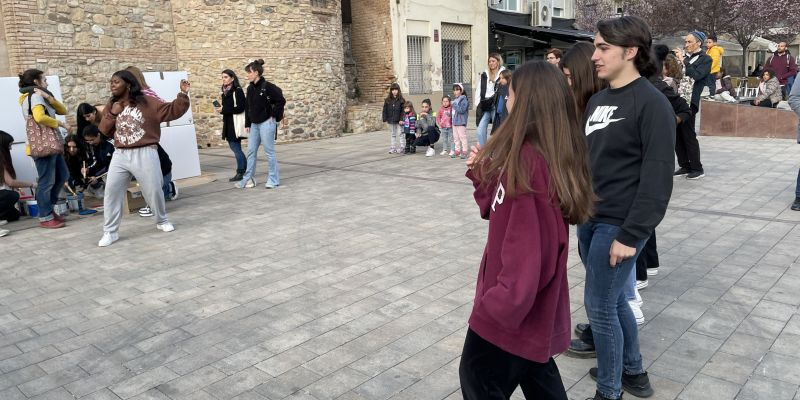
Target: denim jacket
{"x": 460, "y": 111}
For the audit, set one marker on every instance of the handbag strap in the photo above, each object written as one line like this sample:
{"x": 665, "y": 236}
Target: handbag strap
{"x": 234, "y": 97}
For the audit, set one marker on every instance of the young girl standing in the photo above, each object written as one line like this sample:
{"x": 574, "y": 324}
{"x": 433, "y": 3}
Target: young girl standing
{"x": 460, "y": 110}
{"x": 409, "y": 127}
{"x": 521, "y": 315}
{"x": 445, "y": 121}
{"x": 393, "y": 115}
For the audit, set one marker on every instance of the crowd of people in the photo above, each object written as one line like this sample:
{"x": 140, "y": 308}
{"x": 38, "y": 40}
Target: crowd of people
{"x": 119, "y": 142}
{"x": 573, "y": 148}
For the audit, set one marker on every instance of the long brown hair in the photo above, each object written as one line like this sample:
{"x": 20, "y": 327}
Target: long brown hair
{"x": 543, "y": 114}
{"x": 6, "y": 140}
{"x": 585, "y": 82}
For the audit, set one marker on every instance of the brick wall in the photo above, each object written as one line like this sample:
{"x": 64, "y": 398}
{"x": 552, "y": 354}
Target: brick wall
{"x": 372, "y": 47}
{"x": 85, "y": 41}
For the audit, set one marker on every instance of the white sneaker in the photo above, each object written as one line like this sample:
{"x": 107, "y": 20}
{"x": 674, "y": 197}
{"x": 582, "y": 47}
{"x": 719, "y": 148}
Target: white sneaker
{"x": 652, "y": 271}
{"x": 108, "y": 238}
{"x": 638, "y": 300}
{"x": 249, "y": 185}
{"x": 641, "y": 285}
{"x": 430, "y": 153}
{"x": 443, "y": 153}
{"x": 3, "y": 222}
{"x": 637, "y": 312}
{"x": 166, "y": 227}
{"x": 145, "y": 212}
{"x": 4, "y": 232}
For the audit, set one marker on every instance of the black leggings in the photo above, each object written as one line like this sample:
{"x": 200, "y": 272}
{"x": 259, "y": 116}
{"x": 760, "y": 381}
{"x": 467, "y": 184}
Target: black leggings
{"x": 487, "y": 372}
{"x": 8, "y": 199}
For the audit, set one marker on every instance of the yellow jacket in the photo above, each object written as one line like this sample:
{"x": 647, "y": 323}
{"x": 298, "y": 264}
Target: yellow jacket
{"x": 715, "y": 53}
{"x": 39, "y": 114}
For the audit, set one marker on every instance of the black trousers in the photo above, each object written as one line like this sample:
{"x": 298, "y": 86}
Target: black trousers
{"x": 488, "y": 372}
{"x": 766, "y": 103}
{"x": 687, "y": 148}
{"x": 8, "y": 199}
{"x": 648, "y": 258}
{"x": 410, "y": 142}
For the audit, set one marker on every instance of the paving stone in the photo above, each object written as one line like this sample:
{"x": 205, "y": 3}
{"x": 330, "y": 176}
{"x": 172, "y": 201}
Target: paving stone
{"x": 758, "y": 388}
{"x": 781, "y": 367}
{"x": 702, "y": 385}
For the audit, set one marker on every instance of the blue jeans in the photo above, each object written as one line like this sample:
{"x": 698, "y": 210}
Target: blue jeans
{"x": 53, "y": 173}
{"x": 241, "y": 160}
{"x": 616, "y": 337}
{"x": 262, "y": 133}
{"x": 166, "y": 188}
{"x": 483, "y": 126}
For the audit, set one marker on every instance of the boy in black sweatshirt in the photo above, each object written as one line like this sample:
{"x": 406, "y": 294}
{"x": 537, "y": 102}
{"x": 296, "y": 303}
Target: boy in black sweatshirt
{"x": 630, "y": 130}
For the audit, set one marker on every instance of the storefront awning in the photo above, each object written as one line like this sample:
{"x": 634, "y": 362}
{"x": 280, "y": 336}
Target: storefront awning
{"x": 543, "y": 35}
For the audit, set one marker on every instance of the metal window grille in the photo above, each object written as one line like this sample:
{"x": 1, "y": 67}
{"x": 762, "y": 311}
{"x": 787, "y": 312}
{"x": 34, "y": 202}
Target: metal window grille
{"x": 319, "y": 3}
{"x": 456, "y": 54}
{"x": 419, "y": 71}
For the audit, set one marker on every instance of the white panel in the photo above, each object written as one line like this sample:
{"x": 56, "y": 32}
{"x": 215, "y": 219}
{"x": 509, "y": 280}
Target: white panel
{"x": 180, "y": 142}
{"x": 418, "y": 28}
{"x": 23, "y": 164}
{"x": 168, "y": 89}
{"x": 11, "y": 118}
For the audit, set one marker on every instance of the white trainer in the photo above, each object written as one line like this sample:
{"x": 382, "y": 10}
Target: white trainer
{"x": 641, "y": 285}
{"x": 637, "y": 312}
{"x": 166, "y": 227}
{"x": 108, "y": 238}
{"x": 652, "y": 271}
{"x": 638, "y": 300}
{"x": 430, "y": 153}
{"x": 4, "y": 232}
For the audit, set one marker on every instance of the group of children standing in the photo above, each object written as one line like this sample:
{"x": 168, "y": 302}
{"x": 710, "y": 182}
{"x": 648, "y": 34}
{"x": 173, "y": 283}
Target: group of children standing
{"x": 409, "y": 129}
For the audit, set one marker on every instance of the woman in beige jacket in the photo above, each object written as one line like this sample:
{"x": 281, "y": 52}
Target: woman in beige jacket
{"x": 769, "y": 91}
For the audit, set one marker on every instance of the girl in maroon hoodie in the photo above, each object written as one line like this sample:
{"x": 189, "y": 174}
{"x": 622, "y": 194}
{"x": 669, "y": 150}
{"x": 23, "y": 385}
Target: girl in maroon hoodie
{"x": 521, "y": 315}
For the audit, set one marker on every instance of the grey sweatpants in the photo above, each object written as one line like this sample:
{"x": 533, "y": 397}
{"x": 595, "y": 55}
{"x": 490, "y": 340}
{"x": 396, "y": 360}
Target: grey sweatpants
{"x": 141, "y": 162}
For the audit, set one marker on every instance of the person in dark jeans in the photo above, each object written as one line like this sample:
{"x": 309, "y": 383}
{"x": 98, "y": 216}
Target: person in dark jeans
{"x": 698, "y": 66}
{"x": 630, "y": 134}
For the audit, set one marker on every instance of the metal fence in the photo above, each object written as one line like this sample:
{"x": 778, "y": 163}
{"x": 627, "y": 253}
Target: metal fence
{"x": 419, "y": 69}
{"x": 456, "y": 54}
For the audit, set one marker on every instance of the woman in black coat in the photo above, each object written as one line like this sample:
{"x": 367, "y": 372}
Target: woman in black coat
{"x": 233, "y": 102}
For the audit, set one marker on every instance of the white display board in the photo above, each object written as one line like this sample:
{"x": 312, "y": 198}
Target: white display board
{"x": 180, "y": 142}
{"x": 167, "y": 85}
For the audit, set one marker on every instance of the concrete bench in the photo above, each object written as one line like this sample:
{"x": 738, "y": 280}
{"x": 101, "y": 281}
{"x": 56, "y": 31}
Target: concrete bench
{"x": 727, "y": 119}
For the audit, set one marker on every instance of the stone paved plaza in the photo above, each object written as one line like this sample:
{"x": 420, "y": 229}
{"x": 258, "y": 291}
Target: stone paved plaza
{"x": 354, "y": 280}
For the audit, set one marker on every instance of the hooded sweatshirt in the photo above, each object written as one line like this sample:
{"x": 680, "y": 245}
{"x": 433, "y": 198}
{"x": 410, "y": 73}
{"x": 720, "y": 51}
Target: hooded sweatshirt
{"x": 631, "y": 136}
{"x": 785, "y": 66}
{"x": 522, "y": 296}
{"x": 140, "y": 125}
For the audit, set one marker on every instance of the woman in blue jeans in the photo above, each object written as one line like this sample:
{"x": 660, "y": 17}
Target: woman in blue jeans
{"x": 485, "y": 99}
{"x": 40, "y": 105}
{"x": 264, "y": 110}
{"x": 232, "y": 102}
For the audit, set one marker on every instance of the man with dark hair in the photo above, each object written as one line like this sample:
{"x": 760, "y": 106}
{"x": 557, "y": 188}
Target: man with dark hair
{"x": 553, "y": 56}
{"x": 784, "y": 65}
{"x": 630, "y": 132}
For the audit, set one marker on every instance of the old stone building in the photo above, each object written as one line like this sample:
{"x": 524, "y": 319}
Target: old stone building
{"x": 85, "y": 41}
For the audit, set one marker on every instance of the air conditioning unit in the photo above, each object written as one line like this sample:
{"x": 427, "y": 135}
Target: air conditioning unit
{"x": 542, "y": 13}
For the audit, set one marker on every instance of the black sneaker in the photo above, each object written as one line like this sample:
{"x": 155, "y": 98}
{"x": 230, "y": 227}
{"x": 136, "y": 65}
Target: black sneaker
{"x": 796, "y": 204}
{"x": 695, "y": 175}
{"x": 580, "y": 328}
{"x": 236, "y": 177}
{"x": 599, "y": 396}
{"x": 681, "y": 171}
{"x": 580, "y": 349}
{"x": 636, "y": 385}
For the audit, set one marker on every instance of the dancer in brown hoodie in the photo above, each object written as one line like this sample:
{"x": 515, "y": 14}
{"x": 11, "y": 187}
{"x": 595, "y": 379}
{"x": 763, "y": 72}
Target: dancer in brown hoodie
{"x": 134, "y": 120}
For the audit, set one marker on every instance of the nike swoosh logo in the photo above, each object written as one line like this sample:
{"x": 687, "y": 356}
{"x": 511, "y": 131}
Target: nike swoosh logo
{"x": 591, "y": 128}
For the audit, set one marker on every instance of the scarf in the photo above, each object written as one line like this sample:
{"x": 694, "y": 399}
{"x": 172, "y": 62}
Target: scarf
{"x": 226, "y": 89}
